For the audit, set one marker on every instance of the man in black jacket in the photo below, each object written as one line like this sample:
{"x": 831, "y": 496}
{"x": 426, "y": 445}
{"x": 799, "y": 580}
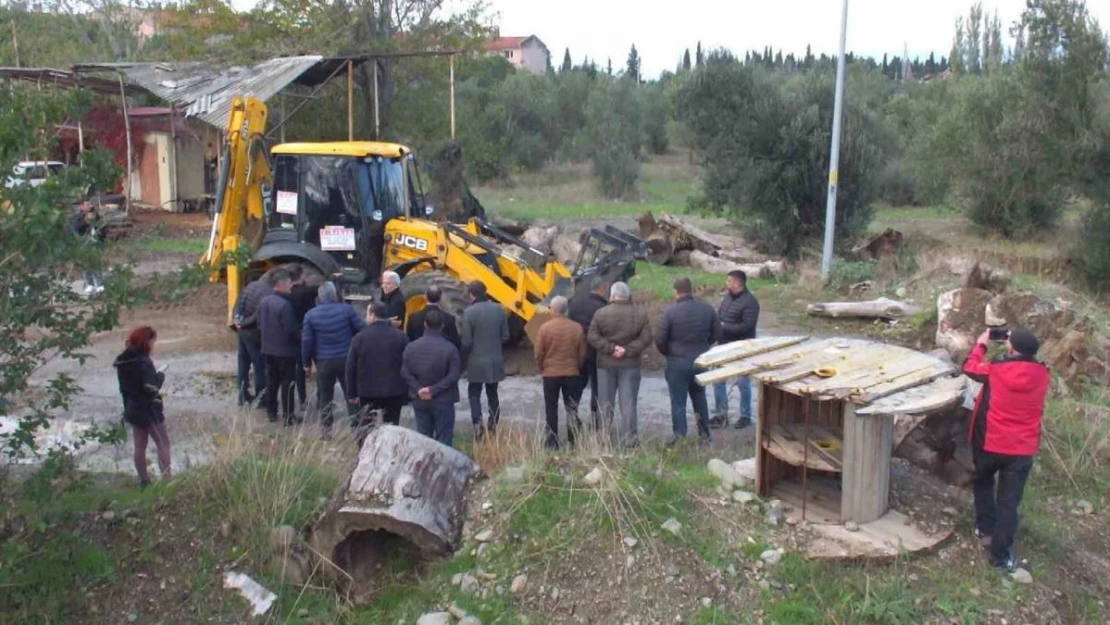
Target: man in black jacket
{"x": 739, "y": 315}
{"x": 250, "y": 338}
{"x": 280, "y": 344}
{"x": 415, "y": 328}
{"x": 303, "y": 298}
{"x": 431, "y": 367}
{"x": 687, "y": 329}
{"x": 582, "y": 310}
{"x": 374, "y": 380}
{"x": 393, "y": 298}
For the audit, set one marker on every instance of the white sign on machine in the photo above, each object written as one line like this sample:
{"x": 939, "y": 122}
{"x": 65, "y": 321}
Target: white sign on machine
{"x": 287, "y": 202}
{"x": 337, "y": 239}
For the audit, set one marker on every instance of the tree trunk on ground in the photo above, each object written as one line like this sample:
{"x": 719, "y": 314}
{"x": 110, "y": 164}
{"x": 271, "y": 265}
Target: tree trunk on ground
{"x": 712, "y": 264}
{"x": 540, "y": 238}
{"x": 566, "y": 248}
{"x": 882, "y": 308}
{"x": 937, "y": 443}
{"x": 660, "y": 249}
{"x": 406, "y": 498}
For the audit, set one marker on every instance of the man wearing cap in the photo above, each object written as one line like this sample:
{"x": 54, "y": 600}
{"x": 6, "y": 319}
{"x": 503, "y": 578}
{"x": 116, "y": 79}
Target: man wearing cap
{"x": 1005, "y": 433}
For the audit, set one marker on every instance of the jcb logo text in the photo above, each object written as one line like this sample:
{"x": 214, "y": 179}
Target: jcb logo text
{"x": 407, "y": 240}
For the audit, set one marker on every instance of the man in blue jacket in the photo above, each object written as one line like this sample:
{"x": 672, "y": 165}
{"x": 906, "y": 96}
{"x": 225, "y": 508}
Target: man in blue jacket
{"x": 431, "y": 367}
{"x": 325, "y": 341}
{"x": 281, "y": 338}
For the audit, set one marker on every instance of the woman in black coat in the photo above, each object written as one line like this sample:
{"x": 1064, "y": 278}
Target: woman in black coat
{"x": 140, "y": 385}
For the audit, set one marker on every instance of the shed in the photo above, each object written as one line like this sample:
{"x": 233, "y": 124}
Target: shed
{"x": 826, "y": 416}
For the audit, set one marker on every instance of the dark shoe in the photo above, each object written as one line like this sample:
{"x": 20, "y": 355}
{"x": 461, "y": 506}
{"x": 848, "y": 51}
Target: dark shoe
{"x": 272, "y": 418}
{"x": 1005, "y": 564}
{"x": 675, "y": 440}
{"x": 743, "y": 423}
{"x": 718, "y": 421}
{"x": 479, "y": 432}
{"x": 705, "y": 440}
{"x": 325, "y": 435}
{"x": 144, "y": 483}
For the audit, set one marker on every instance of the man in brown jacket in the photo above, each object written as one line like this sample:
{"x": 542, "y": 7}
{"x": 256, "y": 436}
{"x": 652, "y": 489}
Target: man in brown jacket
{"x": 620, "y": 333}
{"x": 560, "y": 352}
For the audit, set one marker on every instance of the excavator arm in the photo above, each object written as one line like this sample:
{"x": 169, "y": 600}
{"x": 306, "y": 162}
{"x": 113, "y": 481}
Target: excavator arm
{"x": 244, "y": 170}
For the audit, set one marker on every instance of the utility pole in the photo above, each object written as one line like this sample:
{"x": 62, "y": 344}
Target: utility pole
{"x": 15, "y": 43}
{"x": 834, "y": 152}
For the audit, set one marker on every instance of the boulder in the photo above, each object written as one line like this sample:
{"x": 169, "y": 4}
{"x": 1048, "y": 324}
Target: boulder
{"x": 960, "y": 320}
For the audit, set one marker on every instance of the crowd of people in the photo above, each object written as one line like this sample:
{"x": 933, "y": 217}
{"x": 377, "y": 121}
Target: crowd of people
{"x": 594, "y": 341}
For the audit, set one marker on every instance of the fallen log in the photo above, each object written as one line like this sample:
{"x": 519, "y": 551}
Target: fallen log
{"x": 687, "y": 236}
{"x": 712, "y": 264}
{"x": 566, "y": 248}
{"x": 406, "y": 498}
{"x": 882, "y": 308}
{"x": 660, "y": 248}
{"x": 540, "y": 238}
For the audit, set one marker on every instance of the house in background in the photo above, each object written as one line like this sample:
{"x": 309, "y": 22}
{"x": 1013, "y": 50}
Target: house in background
{"x": 171, "y": 166}
{"x": 526, "y": 53}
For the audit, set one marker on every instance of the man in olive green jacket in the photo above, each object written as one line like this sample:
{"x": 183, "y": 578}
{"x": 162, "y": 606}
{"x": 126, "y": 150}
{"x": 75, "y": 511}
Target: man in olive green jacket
{"x": 620, "y": 332}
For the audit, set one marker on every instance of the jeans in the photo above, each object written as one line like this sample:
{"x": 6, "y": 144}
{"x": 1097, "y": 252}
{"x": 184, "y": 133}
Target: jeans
{"x": 720, "y": 398}
{"x": 93, "y": 279}
{"x": 474, "y": 393}
{"x": 569, "y": 387}
{"x": 680, "y": 374}
{"x": 279, "y": 381}
{"x": 250, "y": 356}
{"x": 328, "y": 372}
{"x": 589, "y": 379}
{"x": 996, "y": 505}
{"x": 625, "y": 383}
{"x": 435, "y": 419}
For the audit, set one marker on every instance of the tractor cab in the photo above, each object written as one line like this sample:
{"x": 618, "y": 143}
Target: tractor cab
{"x": 330, "y": 202}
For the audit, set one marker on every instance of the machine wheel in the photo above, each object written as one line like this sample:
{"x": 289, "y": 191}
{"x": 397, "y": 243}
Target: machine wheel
{"x": 455, "y": 298}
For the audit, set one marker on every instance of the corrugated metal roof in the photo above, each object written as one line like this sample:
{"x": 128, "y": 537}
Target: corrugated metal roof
{"x": 204, "y": 92}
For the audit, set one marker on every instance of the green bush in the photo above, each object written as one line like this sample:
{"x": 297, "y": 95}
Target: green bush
{"x": 764, "y": 147}
{"x": 1094, "y": 245}
{"x": 614, "y": 121}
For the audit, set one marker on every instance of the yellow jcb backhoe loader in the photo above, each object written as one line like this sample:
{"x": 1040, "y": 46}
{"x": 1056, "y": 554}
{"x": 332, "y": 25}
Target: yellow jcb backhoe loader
{"x": 349, "y": 210}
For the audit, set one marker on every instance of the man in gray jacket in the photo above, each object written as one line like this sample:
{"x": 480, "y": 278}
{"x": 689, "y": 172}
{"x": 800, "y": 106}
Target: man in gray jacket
{"x": 687, "y": 329}
{"x": 620, "y": 332}
{"x": 485, "y": 330}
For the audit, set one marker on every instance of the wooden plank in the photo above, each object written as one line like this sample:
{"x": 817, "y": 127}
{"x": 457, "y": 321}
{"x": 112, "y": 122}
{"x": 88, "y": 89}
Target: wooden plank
{"x": 924, "y": 376}
{"x": 864, "y": 372}
{"x": 866, "y": 468}
{"x": 936, "y": 395}
{"x": 738, "y": 350}
{"x": 815, "y": 355}
{"x": 887, "y": 537}
{"x": 822, "y": 498}
{"x": 784, "y": 445}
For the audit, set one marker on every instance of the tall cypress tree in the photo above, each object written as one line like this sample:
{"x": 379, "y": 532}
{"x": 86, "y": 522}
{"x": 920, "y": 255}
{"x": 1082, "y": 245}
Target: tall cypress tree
{"x": 633, "y": 69}
{"x": 686, "y": 61}
{"x": 699, "y": 58}
{"x": 567, "y": 64}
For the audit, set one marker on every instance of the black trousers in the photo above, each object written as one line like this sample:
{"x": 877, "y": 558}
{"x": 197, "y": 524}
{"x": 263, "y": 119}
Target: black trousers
{"x": 301, "y": 380}
{"x": 589, "y": 379}
{"x": 569, "y": 388}
{"x": 279, "y": 381}
{"x": 390, "y": 408}
{"x": 328, "y": 372}
{"x": 997, "y": 500}
{"x": 474, "y": 394}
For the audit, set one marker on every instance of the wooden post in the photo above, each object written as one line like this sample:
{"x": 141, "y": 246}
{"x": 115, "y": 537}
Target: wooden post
{"x": 377, "y": 116}
{"x": 15, "y": 43}
{"x": 350, "y": 102}
{"x": 866, "y": 477}
{"x": 282, "y": 118}
{"x": 174, "y": 196}
{"x": 80, "y": 141}
{"x": 452, "y": 64}
{"x": 127, "y": 135}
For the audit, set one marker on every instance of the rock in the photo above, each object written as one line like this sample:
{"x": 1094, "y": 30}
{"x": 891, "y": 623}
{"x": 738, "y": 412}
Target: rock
{"x": 1021, "y": 576}
{"x": 764, "y": 584}
{"x": 851, "y": 526}
{"x": 470, "y": 620}
{"x": 746, "y": 469}
{"x": 482, "y": 548}
{"x": 960, "y": 319}
{"x": 554, "y": 594}
{"x": 792, "y": 521}
{"x": 515, "y": 475}
{"x": 630, "y": 542}
{"x": 1084, "y": 507}
{"x": 519, "y": 582}
{"x": 742, "y": 496}
{"x": 673, "y": 526}
{"x": 435, "y": 618}
{"x": 900, "y": 292}
{"x": 731, "y": 570}
{"x": 706, "y": 602}
{"x": 594, "y": 477}
{"x": 484, "y": 536}
{"x": 487, "y": 506}
{"x": 303, "y": 613}
{"x": 771, "y": 556}
{"x": 470, "y": 584}
{"x": 456, "y": 611}
{"x": 108, "y": 516}
{"x": 282, "y": 538}
{"x": 131, "y": 618}
{"x": 950, "y": 511}
{"x": 456, "y": 579}
{"x": 630, "y": 561}
{"x": 730, "y": 477}
{"x": 775, "y": 513}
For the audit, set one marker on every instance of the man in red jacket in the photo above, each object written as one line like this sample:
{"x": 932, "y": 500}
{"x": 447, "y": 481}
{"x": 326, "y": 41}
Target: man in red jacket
{"x": 1005, "y": 432}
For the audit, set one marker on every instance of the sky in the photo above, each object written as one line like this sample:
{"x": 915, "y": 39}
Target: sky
{"x": 608, "y": 28}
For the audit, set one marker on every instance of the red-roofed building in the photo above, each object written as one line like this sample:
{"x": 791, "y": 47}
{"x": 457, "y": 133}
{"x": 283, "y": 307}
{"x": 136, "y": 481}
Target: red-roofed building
{"x": 527, "y": 53}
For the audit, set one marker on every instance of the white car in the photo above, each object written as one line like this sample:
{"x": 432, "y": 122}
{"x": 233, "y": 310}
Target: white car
{"x": 33, "y": 173}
